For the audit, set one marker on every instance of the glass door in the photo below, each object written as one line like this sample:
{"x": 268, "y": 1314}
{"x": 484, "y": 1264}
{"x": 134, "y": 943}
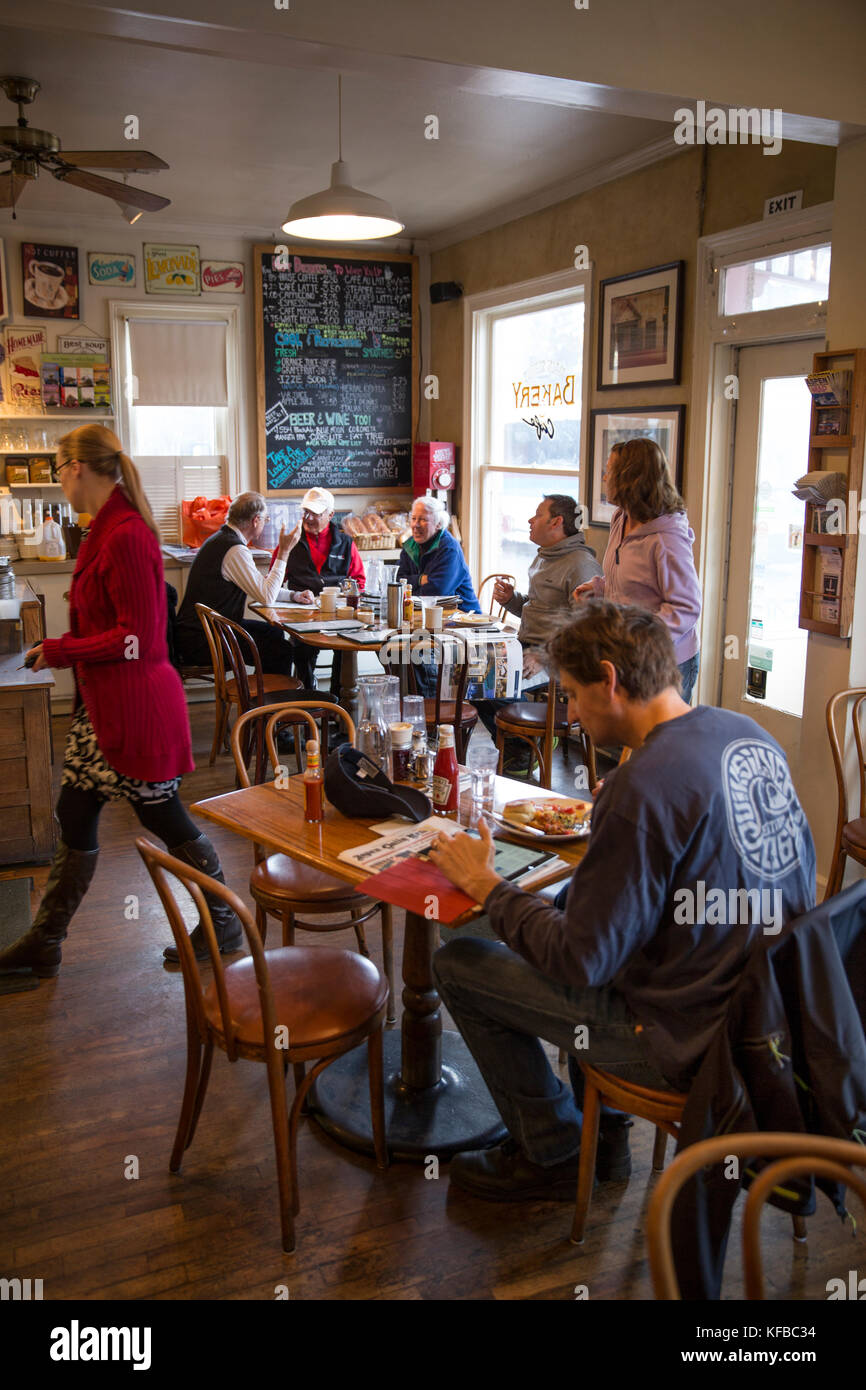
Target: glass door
{"x": 765, "y": 650}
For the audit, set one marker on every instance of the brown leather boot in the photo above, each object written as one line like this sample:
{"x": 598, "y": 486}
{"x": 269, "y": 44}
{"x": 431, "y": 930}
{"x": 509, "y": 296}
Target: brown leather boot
{"x": 38, "y": 950}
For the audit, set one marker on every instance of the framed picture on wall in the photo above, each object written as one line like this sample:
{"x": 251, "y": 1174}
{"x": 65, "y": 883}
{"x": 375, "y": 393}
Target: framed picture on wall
{"x": 640, "y": 328}
{"x": 665, "y": 424}
{"x": 49, "y": 277}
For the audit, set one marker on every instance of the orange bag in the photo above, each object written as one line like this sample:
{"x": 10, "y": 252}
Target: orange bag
{"x": 202, "y": 517}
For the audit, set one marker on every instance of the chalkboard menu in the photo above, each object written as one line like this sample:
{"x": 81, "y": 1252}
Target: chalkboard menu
{"x": 335, "y": 362}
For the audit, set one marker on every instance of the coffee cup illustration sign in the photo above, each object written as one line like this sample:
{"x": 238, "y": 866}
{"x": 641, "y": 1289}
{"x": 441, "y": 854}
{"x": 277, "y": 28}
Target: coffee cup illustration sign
{"x": 50, "y": 275}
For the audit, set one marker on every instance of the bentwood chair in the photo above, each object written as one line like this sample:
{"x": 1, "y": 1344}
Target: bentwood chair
{"x": 664, "y": 1109}
{"x": 850, "y": 834}
{"x": 232, "y": 649}
{"x": 282, "y": 887}
{"x": 538, "y": 723}
{"x": 491, "y": 579}
{"x": 797, "y": 1155}
{"x": 448, "y": 704}
{"x": 292, "y": 1005}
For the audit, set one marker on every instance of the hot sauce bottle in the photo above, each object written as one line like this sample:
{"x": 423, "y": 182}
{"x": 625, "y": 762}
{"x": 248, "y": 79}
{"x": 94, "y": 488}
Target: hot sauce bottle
{"x": 313, "y": 785}
{"x": 446, "y": 775}
{"x": 408, "y": 605}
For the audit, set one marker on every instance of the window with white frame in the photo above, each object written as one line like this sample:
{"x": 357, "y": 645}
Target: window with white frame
{"x": 529, "y": 356}
{"x": 177, "y": 412}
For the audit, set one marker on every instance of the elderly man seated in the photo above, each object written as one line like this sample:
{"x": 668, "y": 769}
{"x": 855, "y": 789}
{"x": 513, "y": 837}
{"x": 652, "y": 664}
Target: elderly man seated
{"x": 224, "y": 575}
{"x": 324, "y": 555}
{"x": 432, "y": 561}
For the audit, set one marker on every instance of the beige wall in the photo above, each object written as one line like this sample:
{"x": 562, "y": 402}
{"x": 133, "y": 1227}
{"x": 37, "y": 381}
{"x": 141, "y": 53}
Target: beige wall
{"x": 647, "y": 218}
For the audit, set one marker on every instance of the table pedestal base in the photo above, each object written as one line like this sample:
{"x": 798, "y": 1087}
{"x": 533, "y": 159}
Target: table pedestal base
{"x": 458, "y": 1113}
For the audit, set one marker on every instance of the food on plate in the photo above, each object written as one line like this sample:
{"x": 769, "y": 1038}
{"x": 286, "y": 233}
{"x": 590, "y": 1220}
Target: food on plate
{"x": 550, "y": 817}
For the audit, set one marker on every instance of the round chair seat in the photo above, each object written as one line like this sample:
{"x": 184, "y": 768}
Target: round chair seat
{"x": 278, "y": 688}
{"x": 448, "y": 712}
{"x": 279, "y": 881}
{"x": 320, "y": 994}
{"x": 532, "y": 716}
{"x": 854, "y": 837}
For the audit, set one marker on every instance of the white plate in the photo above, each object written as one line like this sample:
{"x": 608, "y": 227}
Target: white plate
{"x": 580, "y": 833}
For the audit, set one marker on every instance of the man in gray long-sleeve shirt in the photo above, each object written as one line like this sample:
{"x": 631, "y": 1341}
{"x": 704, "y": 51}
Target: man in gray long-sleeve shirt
{"x": 564, "y": 560}
{"x": 698, "y": 846}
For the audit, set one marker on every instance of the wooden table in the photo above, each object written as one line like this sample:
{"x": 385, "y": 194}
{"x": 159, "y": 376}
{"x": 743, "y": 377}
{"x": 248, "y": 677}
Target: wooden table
{"x": 282, "y": 614}
{"x": 436, "y": 1101}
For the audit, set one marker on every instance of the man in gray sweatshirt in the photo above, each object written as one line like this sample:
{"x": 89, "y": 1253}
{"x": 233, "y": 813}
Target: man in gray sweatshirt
{"x": 563, "y": 555}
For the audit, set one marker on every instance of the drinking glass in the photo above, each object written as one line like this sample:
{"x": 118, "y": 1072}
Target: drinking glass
{"x": 482, "y": 762}
{"x": 373, "y": 735}
{"x": 413, "y": 712}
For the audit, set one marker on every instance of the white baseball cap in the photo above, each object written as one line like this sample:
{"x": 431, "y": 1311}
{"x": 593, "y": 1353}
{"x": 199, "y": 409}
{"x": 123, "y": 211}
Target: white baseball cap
{"x": 318, "y": 500}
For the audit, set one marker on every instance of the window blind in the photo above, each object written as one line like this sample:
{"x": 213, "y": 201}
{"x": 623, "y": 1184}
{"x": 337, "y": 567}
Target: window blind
{"x": 169, "y": 479}
{"x": 176, "y": 362}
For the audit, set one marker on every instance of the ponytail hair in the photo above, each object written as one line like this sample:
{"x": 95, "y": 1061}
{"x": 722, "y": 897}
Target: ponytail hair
{"x": 101, "y": 450}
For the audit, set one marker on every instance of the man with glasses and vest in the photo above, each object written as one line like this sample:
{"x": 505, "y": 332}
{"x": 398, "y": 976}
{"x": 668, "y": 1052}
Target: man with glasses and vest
{"x": 224, "y": 576}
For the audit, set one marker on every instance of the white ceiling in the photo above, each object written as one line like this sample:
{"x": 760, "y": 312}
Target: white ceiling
{"x": 244, "y": 139}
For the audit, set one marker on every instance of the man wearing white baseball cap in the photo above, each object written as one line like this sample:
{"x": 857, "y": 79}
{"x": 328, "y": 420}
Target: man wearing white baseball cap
{"x": 324, "y": 555}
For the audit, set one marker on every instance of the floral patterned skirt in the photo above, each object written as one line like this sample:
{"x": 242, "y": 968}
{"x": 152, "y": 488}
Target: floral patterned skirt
{"x": 84, "y": 766}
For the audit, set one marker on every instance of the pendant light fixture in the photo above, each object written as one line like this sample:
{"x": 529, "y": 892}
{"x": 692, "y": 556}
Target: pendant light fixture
{"x": 341, "y": 212}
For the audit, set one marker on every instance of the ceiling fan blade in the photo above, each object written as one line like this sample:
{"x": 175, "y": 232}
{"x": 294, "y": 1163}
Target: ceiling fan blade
{"x": 128, "y": 161}
{"x": 11, "y": 188}
{"x": 110, "y": 188}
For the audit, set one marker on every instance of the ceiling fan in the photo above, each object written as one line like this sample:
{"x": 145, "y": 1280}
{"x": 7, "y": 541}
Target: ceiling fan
{"x": 27, "y": 150}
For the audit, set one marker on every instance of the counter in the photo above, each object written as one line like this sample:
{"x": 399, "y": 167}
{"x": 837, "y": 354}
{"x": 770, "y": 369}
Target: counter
{"x": 27, "y": 825}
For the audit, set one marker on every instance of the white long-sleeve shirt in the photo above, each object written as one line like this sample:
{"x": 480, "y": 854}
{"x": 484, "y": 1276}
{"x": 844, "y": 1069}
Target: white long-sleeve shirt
{"x": 239, "y": 567}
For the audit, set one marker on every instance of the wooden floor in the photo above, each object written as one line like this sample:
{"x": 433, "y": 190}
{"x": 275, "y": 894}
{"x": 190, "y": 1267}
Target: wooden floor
{"x": 91, "y": 1077}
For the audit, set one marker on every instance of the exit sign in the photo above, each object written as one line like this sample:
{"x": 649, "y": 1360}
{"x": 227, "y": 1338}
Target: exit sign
{"x": 784, "y": 202}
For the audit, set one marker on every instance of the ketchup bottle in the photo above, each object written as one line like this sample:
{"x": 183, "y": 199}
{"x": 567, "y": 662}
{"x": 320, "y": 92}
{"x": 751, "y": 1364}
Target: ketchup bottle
{"x": 313, "y": 785}
{"x": 446, "y": 775}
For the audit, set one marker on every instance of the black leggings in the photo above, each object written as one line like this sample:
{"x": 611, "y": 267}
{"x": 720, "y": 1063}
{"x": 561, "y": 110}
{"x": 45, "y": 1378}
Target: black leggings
{"x": 78, "y": 813}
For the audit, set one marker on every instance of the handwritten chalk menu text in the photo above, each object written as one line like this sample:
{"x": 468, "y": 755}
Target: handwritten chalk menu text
{"x": 336, "y": 365}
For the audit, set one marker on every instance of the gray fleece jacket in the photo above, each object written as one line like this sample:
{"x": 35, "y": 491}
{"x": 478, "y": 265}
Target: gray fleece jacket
{"x": 554, "y": 573}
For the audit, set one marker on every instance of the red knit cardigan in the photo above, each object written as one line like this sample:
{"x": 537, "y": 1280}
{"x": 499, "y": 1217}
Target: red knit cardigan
{"x": 117, "y": 647}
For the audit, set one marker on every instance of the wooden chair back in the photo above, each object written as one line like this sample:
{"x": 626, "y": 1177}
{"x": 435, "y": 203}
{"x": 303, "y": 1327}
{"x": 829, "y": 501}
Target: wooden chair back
{"x": 159, "y": 865}
{"x": 215, "y": 647}
{"x": 433, "y": 645}
{"x": 842, "y": 697}
{"x": 797, "y": 1155}
{"x": 240, "y": 651}
{"x": 258, "y": 727}
{"x": 491, "y": 579}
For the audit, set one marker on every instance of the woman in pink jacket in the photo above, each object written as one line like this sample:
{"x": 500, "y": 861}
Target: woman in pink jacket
{"x": 649, "y": 558}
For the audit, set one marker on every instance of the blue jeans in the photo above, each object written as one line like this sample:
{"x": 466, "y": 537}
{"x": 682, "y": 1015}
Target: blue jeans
{"x": 503, "y": 1007}
{"x": 689, "y": 674}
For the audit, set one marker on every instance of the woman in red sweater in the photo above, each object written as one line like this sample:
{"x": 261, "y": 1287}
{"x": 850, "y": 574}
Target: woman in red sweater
{"x": 130, "y": 734}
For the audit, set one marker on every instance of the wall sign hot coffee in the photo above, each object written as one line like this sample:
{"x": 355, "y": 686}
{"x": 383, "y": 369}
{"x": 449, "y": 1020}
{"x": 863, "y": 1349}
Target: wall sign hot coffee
{"x": 49, "y": 277}
{"x": 171, "y": 269}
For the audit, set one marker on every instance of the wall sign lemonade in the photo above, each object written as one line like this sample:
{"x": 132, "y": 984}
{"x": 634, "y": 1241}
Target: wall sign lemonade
{"x": 171, "y": 269}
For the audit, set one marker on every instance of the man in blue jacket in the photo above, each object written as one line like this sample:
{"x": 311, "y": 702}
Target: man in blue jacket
{"x": 432, "y": 561}
{"x": 699, "y": 849}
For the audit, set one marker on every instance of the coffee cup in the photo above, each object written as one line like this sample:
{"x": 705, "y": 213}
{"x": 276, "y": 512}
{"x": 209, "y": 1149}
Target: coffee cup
{"x": 433, "y": 618}
{"x": 47, "y": 279}
{"x": 345, "y": 611}
{"x": 366, "y": 616}
{"x": 328, "y": 600}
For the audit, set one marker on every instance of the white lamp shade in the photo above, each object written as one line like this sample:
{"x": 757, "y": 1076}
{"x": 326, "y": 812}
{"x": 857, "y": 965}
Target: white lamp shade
{"x": 341, "y": 213}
